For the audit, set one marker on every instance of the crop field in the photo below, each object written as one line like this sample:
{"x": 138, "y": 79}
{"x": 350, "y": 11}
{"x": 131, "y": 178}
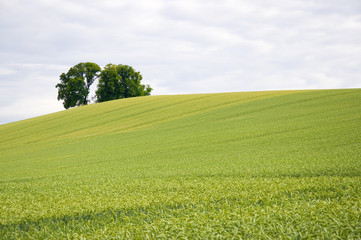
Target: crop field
{"x": 252, "y": 165}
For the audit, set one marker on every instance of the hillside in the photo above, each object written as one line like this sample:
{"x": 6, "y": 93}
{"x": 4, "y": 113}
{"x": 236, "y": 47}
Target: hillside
{"x": 256, "y": 164}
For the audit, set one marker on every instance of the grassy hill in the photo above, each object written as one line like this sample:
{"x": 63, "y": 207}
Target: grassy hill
{"x": 264, "y": 165}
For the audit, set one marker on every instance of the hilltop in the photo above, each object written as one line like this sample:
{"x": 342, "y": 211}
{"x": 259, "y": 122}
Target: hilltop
{"x": 203, "y": 165}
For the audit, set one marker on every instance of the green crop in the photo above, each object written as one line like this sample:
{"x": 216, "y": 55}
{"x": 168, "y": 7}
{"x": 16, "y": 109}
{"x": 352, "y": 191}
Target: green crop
{"x": 257, "y": 165}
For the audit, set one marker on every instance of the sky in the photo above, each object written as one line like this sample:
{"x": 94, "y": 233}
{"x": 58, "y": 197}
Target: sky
{"x": 179, "y": 46}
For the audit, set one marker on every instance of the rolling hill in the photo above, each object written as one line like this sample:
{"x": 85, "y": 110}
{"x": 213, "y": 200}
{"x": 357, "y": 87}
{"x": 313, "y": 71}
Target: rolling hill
{"x": 275, "y": 164}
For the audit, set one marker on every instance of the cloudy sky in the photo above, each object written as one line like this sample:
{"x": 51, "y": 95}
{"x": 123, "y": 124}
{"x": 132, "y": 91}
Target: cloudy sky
{"x": 179, "y": 46}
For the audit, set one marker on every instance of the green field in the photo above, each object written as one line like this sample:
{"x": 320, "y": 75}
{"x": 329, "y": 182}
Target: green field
{"x": 255, "y": 165}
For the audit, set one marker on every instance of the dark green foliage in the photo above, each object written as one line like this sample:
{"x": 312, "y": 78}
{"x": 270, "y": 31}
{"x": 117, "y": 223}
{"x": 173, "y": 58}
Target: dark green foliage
{"x": 120, "y": 81}
{"x": 115, "y": 82}
{"x": 75, "y": 84}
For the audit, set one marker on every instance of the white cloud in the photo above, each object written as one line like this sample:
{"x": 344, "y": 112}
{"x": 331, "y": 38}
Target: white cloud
{"x": 29, "y": 91}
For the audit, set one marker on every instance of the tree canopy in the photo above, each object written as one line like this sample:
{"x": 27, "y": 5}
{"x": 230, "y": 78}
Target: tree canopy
{"x": 120, "y": 81}
{"x": 115, "y": 82}
{"x": 75, "y": 85}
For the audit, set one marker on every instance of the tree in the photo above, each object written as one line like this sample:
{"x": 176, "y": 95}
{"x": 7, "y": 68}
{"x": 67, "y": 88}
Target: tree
{"x": 120, "y": 81}
{"x": 74, "y": 86}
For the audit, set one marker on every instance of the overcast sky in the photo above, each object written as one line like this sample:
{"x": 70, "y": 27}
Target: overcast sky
{"x": 185, "y": 46}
